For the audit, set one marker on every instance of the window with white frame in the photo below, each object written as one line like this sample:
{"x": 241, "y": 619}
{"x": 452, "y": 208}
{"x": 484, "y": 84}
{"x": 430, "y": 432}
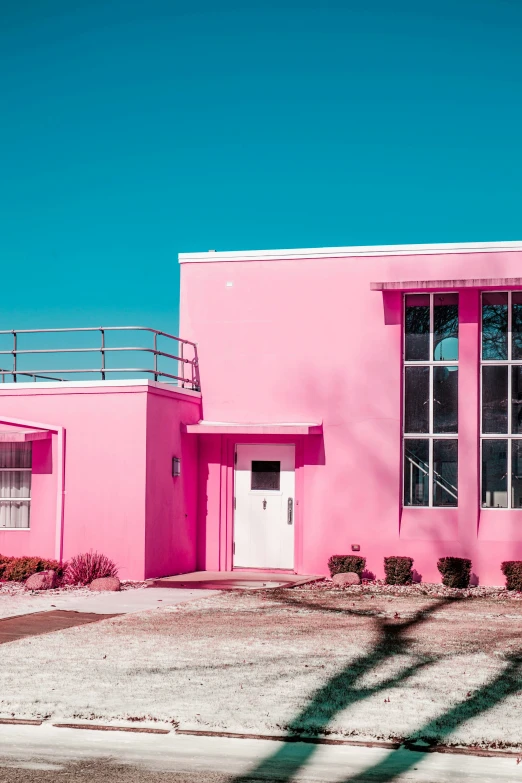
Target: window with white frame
{"x": 430, "y": 393}
{"x": 501, "y": 399}
{"x": 15, "y": 484}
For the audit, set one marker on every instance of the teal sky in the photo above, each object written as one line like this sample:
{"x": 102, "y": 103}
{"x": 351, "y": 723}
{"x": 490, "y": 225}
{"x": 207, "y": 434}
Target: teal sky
{"x": 132, "y": 130}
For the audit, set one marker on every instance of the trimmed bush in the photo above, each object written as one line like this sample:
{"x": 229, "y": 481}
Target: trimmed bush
{"x": 455, "y": 571}
{"x": 3, "y": 564}
{"x": 398, "y": 570}
{"x": 18, "y": 569}
{"x": 512, "y": 570}
{"x": 343, "y": 564}
{"x": 83, "y": 569}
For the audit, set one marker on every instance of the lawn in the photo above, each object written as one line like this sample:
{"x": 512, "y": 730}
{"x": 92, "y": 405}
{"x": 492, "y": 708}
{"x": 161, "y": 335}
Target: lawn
{"x": 361, "y": 666}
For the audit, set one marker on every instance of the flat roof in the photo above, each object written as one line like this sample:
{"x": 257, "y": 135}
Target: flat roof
{"x": 213, "y": 256}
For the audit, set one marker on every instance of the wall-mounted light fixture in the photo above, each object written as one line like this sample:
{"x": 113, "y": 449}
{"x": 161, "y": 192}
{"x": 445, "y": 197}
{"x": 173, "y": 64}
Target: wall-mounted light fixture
{"x": 356, "y": 547}
{"x": 176, "y": 467}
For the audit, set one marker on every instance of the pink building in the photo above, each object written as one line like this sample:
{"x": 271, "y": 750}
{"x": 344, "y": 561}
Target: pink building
{"x": 343, "y": 399}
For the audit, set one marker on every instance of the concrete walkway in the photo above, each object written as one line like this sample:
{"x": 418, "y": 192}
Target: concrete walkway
{"x": 40, "y": 749}
{"x": 233, "y": 580}
{"x": 124, "y": 602}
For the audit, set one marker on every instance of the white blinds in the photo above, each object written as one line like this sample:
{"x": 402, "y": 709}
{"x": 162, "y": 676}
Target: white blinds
{"x": 15, "y": 484}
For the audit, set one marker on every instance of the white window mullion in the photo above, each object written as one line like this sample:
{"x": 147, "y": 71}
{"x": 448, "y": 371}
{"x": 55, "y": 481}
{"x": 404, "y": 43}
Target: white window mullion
{"x": 430, "y": 487}
{"x": 430, "y": 444}
{"x": 509, "y": 412}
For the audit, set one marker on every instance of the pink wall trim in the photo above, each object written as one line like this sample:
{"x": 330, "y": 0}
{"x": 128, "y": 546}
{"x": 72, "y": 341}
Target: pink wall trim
{"x": 60, "y": 487}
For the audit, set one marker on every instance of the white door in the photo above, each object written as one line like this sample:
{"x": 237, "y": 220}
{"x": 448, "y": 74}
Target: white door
{"x": 264, "y": 500}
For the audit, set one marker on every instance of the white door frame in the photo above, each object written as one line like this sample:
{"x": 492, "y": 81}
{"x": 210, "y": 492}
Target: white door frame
{"x": 264, "y": 542}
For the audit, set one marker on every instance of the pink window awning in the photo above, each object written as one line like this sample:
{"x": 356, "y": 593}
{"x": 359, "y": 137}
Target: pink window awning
{"x": 21, "y": 435}
{"x": 422, "y": 285}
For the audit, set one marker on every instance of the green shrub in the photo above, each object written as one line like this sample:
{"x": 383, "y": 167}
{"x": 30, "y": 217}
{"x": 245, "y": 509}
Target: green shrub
{"x": 512, "y": 570}
{"x": 398, "y": 570}
{"x": 17, "y": 569}
{"x": 342, "y": 564}
{"x": 455, "y": 571}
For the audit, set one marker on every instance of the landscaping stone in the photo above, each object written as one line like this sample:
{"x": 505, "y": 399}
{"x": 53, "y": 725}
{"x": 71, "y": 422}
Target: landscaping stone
{"x": 109, "y": 584}
{"x": 348, "y": 578}
{"x": 43, "y": 580}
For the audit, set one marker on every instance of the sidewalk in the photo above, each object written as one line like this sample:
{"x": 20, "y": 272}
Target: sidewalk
{"x": 124, "y": 602}
{"x": 41, "y": 748}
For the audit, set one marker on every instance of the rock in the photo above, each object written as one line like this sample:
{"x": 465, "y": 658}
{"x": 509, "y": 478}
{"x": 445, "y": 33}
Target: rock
{"x": 109, "y": 584}
{"x": 43, "y": 580}
{"x": 349, "y": 578}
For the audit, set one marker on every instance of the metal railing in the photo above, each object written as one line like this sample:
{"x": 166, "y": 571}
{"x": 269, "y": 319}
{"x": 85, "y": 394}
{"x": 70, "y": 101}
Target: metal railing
{"x": 438, "y": 479}
{"x": 186, "y": 374}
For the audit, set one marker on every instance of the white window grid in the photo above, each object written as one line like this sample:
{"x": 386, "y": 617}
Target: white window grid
{"x": 431, "y": 435}
{"x": 508, "y": 437}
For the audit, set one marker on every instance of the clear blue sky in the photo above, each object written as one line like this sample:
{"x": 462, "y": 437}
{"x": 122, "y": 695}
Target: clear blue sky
{"x": 134, "y": 129}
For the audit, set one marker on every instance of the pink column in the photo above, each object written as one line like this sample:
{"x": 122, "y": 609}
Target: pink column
{"x": 469, "y": 452}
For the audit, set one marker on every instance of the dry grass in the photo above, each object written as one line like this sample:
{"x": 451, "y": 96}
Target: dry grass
{"x": 326, "y": 662}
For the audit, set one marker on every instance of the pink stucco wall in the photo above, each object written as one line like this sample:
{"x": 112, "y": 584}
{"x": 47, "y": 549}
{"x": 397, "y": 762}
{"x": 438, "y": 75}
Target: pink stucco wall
{"x": 170, "y": 536}
{"x": 119, "y": 496}
{"x": 307, "y": 340}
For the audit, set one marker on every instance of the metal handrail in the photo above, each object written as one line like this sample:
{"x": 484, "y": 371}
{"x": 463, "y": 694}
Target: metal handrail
{"x": 190, "y": 380}
{"x": 439, "y": 478}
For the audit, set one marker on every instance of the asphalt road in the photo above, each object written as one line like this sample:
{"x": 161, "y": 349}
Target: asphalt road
{"x": 43, "y": 754}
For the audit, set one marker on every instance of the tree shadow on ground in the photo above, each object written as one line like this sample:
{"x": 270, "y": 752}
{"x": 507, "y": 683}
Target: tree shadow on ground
{"x": 341, "y": 691}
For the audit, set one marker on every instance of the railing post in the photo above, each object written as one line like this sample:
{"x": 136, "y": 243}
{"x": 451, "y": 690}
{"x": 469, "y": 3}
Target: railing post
{"x": 155, "y": 356}
{"x": 195, "y": 370}
{"x": 182, "y": 366}
{"x": 14, "y": 357}
{"x": 102, "y": 353}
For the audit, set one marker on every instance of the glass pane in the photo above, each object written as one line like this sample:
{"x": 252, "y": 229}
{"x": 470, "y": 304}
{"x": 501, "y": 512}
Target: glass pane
{"x": 16, "y": 484}
{"x": 417, "y": 328}
{"x": 516, "y": 324}
{"x": 15, "y": 455}
{"x": 416, "y": 399}
{"x": 266, "y": 474}
{"x": 516, "y": 474}
{"x": 14, "y": 514}
{"x": 494, "y": 399}
{"x": 516, "y": 400}
{"x": 494, "y": 473}
{"x": 445, "y": 472}
{"x": 494, "y": 326}
{"x": 445, "y": 399}
{"x": 446, "y": 327}
{"x": 416, "y": 472}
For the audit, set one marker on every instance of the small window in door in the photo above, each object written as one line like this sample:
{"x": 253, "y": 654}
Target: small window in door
{"x": 266, "y": 474}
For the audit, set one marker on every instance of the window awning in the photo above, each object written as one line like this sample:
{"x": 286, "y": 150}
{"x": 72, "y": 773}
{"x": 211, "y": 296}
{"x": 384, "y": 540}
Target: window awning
{"x": 20, "y": 435}
{"x": 238, "y": 428}
{"x": 422, "y": 285}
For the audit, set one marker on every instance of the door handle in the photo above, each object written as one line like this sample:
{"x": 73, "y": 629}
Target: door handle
{"x": 290, "y": 515}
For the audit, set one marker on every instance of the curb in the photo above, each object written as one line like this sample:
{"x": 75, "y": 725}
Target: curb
{"x": 448, "y": 749}
{"x": 408, "y": 746}
{"x": 102, "y": 727}
{"x": 290, "y": 738}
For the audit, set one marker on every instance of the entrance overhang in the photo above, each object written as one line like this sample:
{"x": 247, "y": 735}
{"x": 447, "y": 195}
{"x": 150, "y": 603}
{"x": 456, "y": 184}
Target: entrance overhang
{"x": 253, "y": 428}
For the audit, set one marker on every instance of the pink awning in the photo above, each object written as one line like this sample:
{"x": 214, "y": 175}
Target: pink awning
{"x": 237, "y": 428}
{"x": 420, "y": 285}
{"x": 20, "y": 435}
